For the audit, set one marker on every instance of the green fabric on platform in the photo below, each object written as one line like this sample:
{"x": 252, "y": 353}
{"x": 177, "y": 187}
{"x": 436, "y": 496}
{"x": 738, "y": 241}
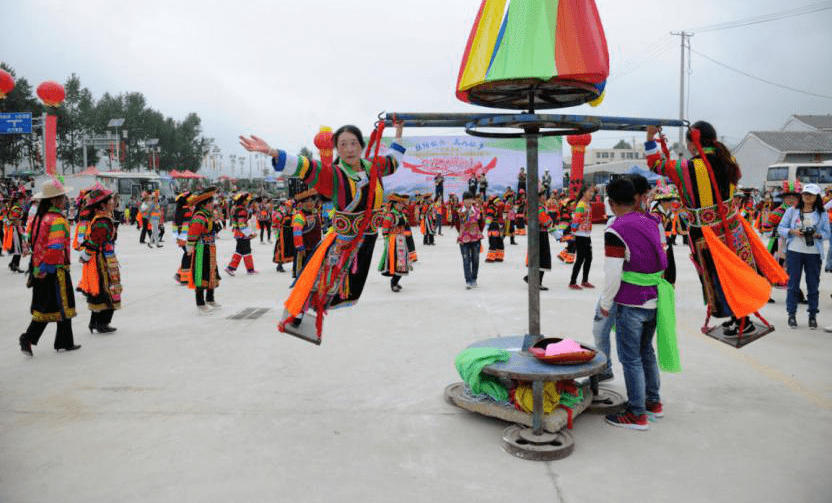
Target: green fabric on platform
{"x": 527, "y": 49}
{"x": 665, "y": 317}
{"x": 469, "y": 364}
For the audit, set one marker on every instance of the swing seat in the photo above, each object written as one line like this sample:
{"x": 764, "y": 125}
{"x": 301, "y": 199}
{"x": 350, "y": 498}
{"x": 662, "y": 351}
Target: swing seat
{"x": 305, "y": 330}
{"x": 738, "y": 341}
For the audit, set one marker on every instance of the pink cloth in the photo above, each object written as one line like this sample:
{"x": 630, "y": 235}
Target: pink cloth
{"x": 562, "y": 347}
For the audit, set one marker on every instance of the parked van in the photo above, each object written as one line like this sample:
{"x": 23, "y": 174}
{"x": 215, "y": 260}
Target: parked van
{"x": 127, "y": 184}
{"x": 807, "y": 172}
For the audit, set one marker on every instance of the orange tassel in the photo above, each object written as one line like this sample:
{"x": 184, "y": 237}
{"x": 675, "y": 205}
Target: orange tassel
{"x": 303, "y": 286}
{"x": 745, "y": 291}
{"x": 766, "y": 263}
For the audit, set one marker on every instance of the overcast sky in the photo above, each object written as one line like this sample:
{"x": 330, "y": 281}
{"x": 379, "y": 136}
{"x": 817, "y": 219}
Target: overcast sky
{"x": 281, "y": 68}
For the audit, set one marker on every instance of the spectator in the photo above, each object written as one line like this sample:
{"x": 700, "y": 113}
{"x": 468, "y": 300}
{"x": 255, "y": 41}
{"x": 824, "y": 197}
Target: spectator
{"x": 805, "y": 226}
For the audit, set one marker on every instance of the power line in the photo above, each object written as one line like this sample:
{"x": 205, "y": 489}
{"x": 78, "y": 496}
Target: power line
{"x": 765, "y": 18}
{"x": 633, "y": 64}
{"x": 761, "y": 79}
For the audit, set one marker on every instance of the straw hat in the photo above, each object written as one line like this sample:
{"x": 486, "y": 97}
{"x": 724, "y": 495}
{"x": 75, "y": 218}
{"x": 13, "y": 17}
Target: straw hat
{"x": 52, "y": 188}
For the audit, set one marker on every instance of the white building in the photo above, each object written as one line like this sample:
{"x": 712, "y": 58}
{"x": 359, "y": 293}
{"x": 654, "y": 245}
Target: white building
{"x": 804, "y": 138}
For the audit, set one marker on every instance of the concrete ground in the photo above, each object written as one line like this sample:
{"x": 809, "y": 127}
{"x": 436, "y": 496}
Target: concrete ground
{"x": 177, "y": 406}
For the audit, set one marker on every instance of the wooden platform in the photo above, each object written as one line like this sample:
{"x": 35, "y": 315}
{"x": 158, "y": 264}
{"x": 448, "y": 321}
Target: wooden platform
{"x": 739, "y": 341}
{"x": 456, "y": 395}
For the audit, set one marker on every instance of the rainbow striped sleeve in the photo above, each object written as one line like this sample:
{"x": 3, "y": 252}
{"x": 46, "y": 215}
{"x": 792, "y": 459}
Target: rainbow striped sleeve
{"x": 57, "y": 242}
{"x": 298, "y": 223}
{"x": 197, "y": 227}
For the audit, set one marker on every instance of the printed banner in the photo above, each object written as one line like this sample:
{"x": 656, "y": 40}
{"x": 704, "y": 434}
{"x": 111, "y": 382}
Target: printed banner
{"x": 49, "y": 143}
{"x": 457, "y": 158}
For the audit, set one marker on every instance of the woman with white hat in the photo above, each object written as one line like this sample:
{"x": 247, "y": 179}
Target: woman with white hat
{"x": 53, "y": 299}
{"x": 805, "y": 226}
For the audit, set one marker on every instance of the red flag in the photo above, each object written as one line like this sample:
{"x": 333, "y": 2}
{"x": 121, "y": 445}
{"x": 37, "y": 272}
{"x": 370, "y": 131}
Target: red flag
{"x": 51, "y": 150}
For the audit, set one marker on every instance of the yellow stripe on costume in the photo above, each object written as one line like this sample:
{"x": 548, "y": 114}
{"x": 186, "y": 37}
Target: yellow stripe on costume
{"x": 703, "y": 184}
{"x": 379, "y": 197}
{"x": 482, "y": 46}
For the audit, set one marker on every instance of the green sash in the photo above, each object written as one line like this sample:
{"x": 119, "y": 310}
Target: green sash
{"x": 197, "y": 272}
{"x": 665, "y": 317}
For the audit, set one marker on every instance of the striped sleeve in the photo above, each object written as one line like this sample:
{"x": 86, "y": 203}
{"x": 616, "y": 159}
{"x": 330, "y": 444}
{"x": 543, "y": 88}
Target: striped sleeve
{"x": 56, "y": 242}
{"x": 197, "y": 227}
{"x": 298, "y": 222}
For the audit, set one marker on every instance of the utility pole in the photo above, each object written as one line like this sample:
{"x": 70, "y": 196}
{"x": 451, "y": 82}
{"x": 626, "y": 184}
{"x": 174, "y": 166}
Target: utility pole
{"x": 685, "y": 36}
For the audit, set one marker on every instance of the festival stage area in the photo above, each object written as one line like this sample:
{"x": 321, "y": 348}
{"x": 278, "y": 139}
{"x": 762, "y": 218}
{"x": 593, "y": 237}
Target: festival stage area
{"x": 177, "y": 406}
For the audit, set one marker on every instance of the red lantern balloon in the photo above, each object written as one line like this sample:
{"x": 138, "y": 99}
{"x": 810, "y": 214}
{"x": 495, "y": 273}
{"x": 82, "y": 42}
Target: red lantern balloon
{"x": 6, "y": 83}
{"x": 579, "y": 140}
{"x": 51, "y": 93}
{"x": 324, "y": 142}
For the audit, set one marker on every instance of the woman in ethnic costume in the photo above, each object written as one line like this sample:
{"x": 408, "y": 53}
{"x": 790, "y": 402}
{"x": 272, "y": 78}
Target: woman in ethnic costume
{"x": 395, "y": 259}
{"x": 181, "y": 220}
{"x": 284, "y": 247}
{"x": 13, "y": 242}
{"x": 706, "y": 185}
{"x": 544, "y": 250}
{"x": 205, "y": 277}
{"x": 494, "y": 222}
{"x": 100, "y": 280}
{"x": 53, "y": 299}
{"x": 338, "y": 269}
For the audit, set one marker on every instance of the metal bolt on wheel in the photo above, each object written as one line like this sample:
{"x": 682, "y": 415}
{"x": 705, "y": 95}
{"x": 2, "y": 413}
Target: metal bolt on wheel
{"x": 522, "y": 442}
{"x": 607, "y": 401}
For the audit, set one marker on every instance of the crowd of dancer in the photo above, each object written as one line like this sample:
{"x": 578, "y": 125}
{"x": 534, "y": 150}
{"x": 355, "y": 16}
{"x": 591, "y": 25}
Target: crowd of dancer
{"x": 328, "y": 229}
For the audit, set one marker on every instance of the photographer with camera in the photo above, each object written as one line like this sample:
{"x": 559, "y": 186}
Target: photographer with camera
{"x": 805, "y": 226}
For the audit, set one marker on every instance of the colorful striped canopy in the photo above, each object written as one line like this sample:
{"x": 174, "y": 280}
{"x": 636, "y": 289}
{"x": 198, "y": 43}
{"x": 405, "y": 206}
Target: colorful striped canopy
{"x": 553, "y": 52}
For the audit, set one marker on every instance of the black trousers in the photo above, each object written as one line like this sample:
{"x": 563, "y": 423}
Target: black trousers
{"x": 145, "y": 222}
{"x": 15, "y": 263}
{"x": 265, "y": 228}
{"x": 583, "y": 257}
{"x": 202, "y": 294}
{"x": 101, "y": 318}
{"x": 63, "y": 336}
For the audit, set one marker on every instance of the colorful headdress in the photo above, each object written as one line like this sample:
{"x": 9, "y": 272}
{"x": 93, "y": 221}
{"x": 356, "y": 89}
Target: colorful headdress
{"x": 553, "y": 50}
{"x": 203, "y": 196}
{"x": 306, "y": 194}
{"x": 792, "y": 188}
{"x": 398, "y": 198}
{"x": 182, "y": 199}
{"x": 96, "y": 195}
{"x": 241, "y": 198}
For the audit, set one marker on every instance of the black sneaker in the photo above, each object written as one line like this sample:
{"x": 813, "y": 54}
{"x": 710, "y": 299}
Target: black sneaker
{"x": 792, "y": 321}
{"x": 813, "y": 322}
{"x": 734, "y": 331}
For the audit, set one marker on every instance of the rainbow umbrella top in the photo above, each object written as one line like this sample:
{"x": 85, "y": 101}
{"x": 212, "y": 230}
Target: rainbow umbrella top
{"x": 553, "y": 52}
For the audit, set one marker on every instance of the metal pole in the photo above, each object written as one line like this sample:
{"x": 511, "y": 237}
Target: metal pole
{"x": 43, "y": 143}
{"x": 684, "y": 35}
{"x": 533, "y": 239}
{"x": 84, "y": 143}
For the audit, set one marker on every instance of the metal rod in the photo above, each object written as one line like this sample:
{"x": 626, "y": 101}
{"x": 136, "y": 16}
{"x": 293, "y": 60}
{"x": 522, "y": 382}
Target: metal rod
{"x": 462, "y": 120}
{"x": 533, "y": 239}
{"x": 537, "y": 407}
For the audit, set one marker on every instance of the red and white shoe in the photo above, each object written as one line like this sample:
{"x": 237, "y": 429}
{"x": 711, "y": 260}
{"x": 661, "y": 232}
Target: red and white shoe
{"x": 629, "y": 420}
{"x": 587, "y": 284}
{"x": 654, "y": 410}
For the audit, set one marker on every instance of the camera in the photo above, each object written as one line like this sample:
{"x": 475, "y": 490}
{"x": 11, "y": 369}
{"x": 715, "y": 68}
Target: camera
{"x": 809, "y": 235}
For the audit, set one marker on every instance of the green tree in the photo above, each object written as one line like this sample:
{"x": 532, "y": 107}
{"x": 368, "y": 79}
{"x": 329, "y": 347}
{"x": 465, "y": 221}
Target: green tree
{"x": 623, "y": 145}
